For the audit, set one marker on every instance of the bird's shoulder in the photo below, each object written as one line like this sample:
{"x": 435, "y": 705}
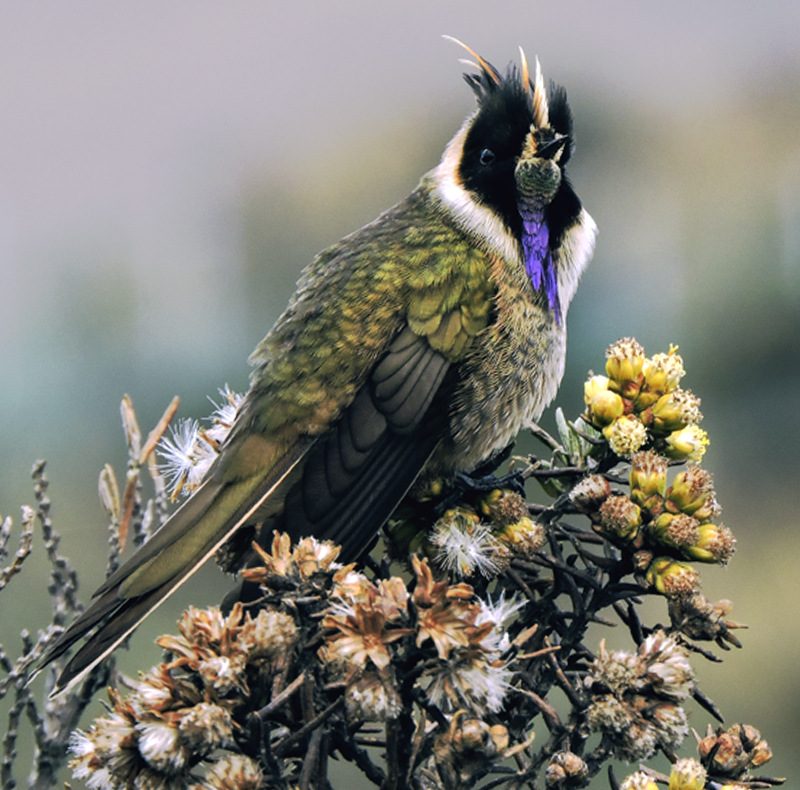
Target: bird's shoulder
{"x": 411, "y": 267}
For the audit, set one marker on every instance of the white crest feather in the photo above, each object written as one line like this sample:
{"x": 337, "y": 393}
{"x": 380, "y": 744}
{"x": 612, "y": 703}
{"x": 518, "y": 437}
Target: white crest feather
{"x": 526, "y": 76}
{"x": 541, "y": 112}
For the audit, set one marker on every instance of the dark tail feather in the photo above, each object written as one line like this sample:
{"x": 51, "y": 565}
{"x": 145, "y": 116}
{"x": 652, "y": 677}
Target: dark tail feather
{"x": 187, "y": 539}
{"x": 126, "y": 616}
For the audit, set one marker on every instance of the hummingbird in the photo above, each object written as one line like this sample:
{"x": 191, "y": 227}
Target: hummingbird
{"x": 417, "y": 346}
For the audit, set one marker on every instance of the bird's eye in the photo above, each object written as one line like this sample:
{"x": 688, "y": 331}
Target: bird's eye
{"x": 487, "y": 157}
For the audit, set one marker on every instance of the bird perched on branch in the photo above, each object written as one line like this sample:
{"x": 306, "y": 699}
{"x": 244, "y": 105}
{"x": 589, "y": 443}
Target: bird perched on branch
{"x": 420, "y": 344}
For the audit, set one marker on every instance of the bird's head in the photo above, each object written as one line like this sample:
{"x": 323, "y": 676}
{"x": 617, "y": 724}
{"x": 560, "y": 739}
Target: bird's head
{"x": 503, "y": 172}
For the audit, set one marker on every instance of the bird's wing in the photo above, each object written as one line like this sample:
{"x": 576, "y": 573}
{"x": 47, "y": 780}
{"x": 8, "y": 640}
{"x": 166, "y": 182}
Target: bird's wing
{"x": 357, "y": 473}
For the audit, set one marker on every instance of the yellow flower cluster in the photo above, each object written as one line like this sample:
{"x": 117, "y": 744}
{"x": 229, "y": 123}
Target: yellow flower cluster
{"x": 661, "y": 525}
{"x": 639, "y": 403}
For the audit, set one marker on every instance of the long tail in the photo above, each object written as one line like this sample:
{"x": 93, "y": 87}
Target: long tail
{"x": 186, "y": 540}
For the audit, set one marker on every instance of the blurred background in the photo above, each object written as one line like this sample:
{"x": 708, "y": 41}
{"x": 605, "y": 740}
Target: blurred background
{"x": 167, "y": 168}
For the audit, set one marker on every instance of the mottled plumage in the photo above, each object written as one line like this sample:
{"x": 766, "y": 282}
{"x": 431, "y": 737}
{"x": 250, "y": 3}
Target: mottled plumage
{"x": 424, "y": 341}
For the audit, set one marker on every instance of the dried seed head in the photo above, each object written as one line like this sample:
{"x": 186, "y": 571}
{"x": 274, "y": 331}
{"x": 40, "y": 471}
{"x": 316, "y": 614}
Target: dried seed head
{"x": 566, "y": 770}
{"x": 234, "y": 772}
{"x": 590, "y": 493}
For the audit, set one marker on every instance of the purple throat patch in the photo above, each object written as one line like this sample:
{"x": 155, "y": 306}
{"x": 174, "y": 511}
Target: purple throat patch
{"x": 538, "y": 259}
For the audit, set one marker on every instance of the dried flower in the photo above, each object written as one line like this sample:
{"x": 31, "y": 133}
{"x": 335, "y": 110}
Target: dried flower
{"x": 121, "y": 750}
{"x": 234, "y": 772}
{"x": 223, "y": 417}
{"x": 666, "y": 666}
{"x": 161, "y": 746}
{"x": 270, "y": 634}
{"x": 566, "y": 770}
{"x": 373, "y": 696}
{"x": 362, "y": 631}
{"x": 466, "y": 546}
{"x": 444, "y": 611}
{"x": 464, "y": 751}
{"x": 498, "y": 613}
{"x": 590, "y": 493}
{"x": 205, "y": 727}
{"x": 210, "y": 645}
{"x": 700, "y": 619}
{"x": 635, "y": 697}
{"x": 731, "y": 753}
{"x": 186, "y": 457}
{"x": 468, "y": 680}
{"x": 309, "y": 557}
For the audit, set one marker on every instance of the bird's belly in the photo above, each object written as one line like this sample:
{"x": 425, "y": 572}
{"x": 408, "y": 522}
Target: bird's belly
{"x": 509, "y": 377}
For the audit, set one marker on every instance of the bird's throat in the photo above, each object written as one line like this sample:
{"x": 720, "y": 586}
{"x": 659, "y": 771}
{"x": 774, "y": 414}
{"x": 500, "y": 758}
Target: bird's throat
{"x": 537, "y": 255}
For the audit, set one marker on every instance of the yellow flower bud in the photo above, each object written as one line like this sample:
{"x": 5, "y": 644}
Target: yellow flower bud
{"x": 687, "y": 774}
{"x": 594, "y": 386}
{"x": 672, "y": 578}
{"x": 714, "y": 544}
{"x": 674, "y": 411}
{"x": 687, "y": 444}
{"x": 624, "y": 361}
{"x": 525, "y": 536}
{"x": 605, "y": 407}
{"x": 663, "y": 372}
{"x": 648, "y": 479}
{"x": 503, "y": 506}
{"x": 678, "y": 531}
{"x": 619, "y": 518}
{"x": 692, "y": 492}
